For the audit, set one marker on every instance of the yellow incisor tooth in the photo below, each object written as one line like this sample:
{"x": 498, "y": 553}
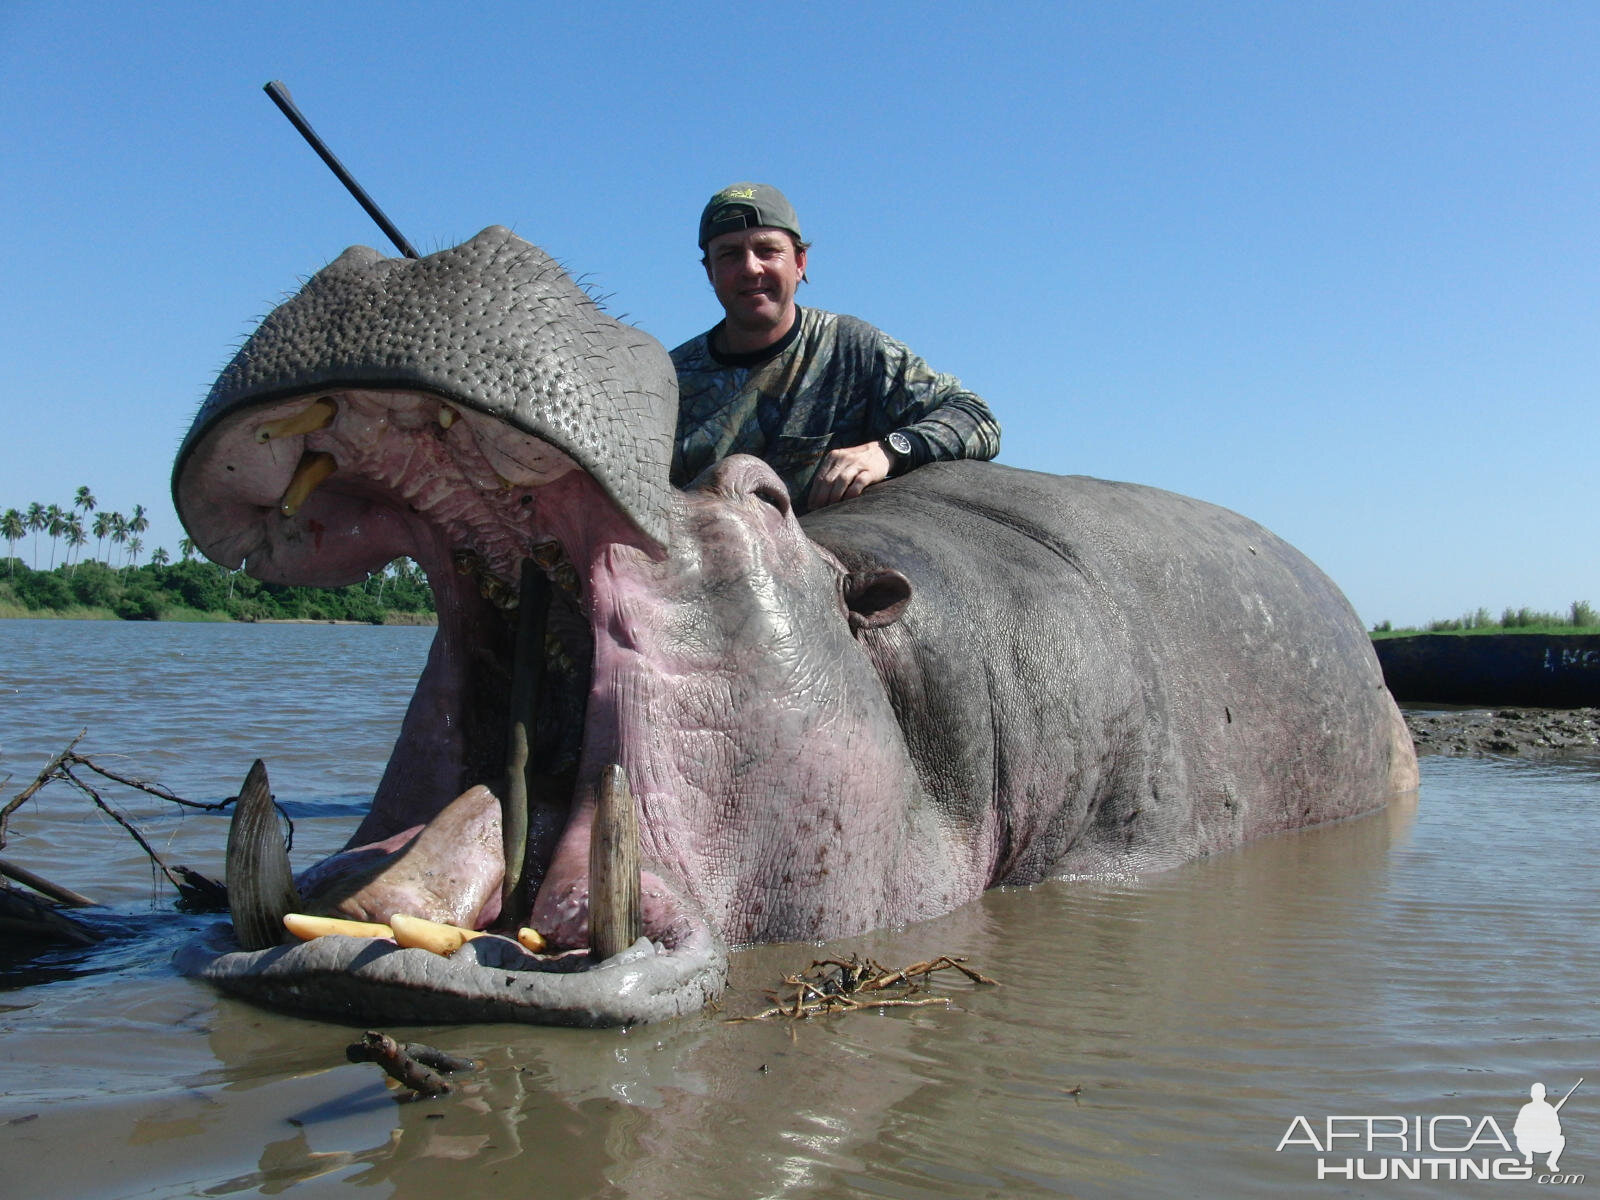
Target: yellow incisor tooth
{"x": 318, "y": 414}
{"x": 315, "y": 466}
{"x": 307, "y": 927}
{"x": 415, "y": 933}
{"x": 531, "y": 939}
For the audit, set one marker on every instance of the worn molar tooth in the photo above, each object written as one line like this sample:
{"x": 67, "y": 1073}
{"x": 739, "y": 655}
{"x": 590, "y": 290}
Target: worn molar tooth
{"x": 614, "y": 908}
{"x": 261, "y": 888}
{"x": 516, "y": 457}
{"x": 318, "y": 414}
{"x": 315, "y": 466}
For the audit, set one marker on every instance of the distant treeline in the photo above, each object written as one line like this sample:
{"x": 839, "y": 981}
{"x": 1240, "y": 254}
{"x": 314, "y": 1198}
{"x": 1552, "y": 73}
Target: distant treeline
{"x": 196, "y": 590}
{"x": 1579, "y": 618}
{"x": 189, "y": 589}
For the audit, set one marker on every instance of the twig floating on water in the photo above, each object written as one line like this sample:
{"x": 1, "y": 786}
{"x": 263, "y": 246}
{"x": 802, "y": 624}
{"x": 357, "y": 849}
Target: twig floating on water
{"x": 840, "y": 987}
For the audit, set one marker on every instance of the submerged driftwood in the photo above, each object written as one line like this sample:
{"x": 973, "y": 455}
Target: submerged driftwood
{"x": 35, "y": 914}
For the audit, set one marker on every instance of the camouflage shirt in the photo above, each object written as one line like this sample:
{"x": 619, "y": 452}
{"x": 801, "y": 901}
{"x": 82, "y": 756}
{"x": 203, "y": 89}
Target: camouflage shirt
{"x": 832, "y": 381}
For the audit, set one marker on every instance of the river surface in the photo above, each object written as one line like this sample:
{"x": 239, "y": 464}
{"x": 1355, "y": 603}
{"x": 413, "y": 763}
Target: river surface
{"x": 1150, "y": 1036}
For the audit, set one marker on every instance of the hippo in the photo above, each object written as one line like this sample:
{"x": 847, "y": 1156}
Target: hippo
{"x": 656, "y": 723}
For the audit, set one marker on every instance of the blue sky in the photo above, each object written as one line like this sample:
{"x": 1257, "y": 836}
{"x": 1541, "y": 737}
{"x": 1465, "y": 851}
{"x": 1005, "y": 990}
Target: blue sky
{"x": 1333, "y": 265}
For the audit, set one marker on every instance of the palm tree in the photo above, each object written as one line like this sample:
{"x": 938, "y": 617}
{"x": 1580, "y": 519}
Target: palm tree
{"x": 84, "y": 500}
{"x": 13, "y": 529}
{"x": 75, "y": 537}
{"x": 135, "y": 545}
{"x": 186, "y": 548}
{"x": 138, "y": 523}
{"x": 101, "y": 527}
{"x": 119, "y": 529}
{"x": 160, "y": 558}
{"x": 55, "y": 523}
{"x": 35, "y": 520}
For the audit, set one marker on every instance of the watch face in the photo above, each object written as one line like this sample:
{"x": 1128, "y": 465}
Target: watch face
{"x": 899, "y": 443}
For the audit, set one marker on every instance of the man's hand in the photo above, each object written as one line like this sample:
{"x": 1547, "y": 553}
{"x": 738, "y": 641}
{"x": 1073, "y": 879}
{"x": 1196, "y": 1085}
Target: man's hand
{"x": 847, "y": 472}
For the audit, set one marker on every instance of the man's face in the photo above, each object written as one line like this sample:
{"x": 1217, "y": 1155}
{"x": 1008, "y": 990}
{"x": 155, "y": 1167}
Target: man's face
{"x": 755, "y": 273}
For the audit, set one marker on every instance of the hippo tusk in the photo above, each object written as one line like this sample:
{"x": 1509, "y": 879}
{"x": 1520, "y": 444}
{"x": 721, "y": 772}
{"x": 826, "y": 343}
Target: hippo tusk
{"x": 318, "y": 414}
{"x": 260, "y": 885}
{"x": 416, "y": 933}
{"x": 527, "y": 682}
{"x": 614, "y": 910}
{"x": 306, "y": 927}
{"x": 315, "y": 466}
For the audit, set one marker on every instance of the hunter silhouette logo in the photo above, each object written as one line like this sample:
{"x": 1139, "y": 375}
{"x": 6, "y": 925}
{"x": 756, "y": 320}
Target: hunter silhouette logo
{"x": 1446, "y": 1146}
{"x": 1538, "y": 1128}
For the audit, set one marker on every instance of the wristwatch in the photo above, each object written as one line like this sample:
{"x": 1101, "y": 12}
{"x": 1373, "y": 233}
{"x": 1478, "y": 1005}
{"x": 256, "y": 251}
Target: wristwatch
{"x": 898, "y": 447}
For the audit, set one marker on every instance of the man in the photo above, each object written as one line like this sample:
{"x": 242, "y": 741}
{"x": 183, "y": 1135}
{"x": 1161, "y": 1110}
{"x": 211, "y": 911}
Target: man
{"x": 831, "y": 403}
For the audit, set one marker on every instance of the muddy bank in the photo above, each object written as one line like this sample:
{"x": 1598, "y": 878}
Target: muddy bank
{"x": 1506, "y": 732}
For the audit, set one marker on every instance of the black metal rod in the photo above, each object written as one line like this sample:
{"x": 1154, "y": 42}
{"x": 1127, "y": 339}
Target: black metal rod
{"x": 280, "y": 97}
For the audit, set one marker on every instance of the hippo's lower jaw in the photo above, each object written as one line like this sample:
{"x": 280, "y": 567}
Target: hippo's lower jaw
{"x": 328, "y": 487}
{"x": 489, "y": 979}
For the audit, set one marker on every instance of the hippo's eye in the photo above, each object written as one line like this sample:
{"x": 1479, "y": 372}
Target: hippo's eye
{"x": 771, "y": 493}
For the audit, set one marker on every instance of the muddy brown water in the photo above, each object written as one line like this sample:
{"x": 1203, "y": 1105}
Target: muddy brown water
{"x": 1151, "y": 1036}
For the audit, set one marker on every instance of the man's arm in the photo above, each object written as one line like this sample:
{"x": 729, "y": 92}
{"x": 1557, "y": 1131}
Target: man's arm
{"x": 941, "y": 419}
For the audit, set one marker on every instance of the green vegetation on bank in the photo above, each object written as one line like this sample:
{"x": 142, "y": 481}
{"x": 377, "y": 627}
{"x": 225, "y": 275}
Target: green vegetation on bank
{"x": 193, "y": 590}
{"x": 1580, "y": 618}
{"x": 161, "y": 590}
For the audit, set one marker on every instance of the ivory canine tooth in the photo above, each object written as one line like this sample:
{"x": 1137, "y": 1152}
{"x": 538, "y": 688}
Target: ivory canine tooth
{"x": 260, "y": 885}
{"x": 416, "y": 933}
{"x": 318, "y": 414}
{"x": 315, "y": 466}
{"x": 305, "y": 927}
{"x": 531, "y": 940}
{"x": 447, "y": 416}
{"x": 614, "y": 912}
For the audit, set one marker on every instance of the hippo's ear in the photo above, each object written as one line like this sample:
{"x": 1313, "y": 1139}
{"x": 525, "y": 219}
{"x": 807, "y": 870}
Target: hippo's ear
{"x": 876, "y": 598}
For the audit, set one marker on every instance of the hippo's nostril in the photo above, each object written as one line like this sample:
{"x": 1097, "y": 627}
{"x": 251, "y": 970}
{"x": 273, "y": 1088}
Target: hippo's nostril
{"x": 771, "y": 493}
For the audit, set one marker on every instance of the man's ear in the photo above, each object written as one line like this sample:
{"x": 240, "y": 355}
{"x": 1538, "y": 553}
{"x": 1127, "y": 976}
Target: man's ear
{"x": 876, "y": 598}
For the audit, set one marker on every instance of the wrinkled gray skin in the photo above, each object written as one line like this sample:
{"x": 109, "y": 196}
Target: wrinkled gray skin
{"x": 967, "y": 677}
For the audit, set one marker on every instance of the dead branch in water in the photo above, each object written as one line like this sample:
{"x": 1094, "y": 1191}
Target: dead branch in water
{"x": 834, "y": 985}
{"x": 412, "y": 1065}
{"x": 191, "y": 885}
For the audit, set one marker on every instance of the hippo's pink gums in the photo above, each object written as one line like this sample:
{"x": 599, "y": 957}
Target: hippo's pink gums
{"x": 970, "y": 676}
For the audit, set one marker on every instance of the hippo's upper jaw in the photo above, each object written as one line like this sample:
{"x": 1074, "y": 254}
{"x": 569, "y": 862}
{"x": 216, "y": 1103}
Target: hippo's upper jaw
{"x": 474, "y": 411}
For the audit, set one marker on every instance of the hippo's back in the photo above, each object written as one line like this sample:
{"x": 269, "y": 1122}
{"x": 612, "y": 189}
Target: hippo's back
{"x": 1181, "y": 678}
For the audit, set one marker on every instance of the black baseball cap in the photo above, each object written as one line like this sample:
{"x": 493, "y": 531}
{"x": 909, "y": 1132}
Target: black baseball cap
{"x": 747, "y": 206}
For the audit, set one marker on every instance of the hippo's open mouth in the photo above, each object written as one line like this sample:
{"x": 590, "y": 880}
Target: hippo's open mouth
{"x": 515, "y": 446}
{"x": 518, "y": 542}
